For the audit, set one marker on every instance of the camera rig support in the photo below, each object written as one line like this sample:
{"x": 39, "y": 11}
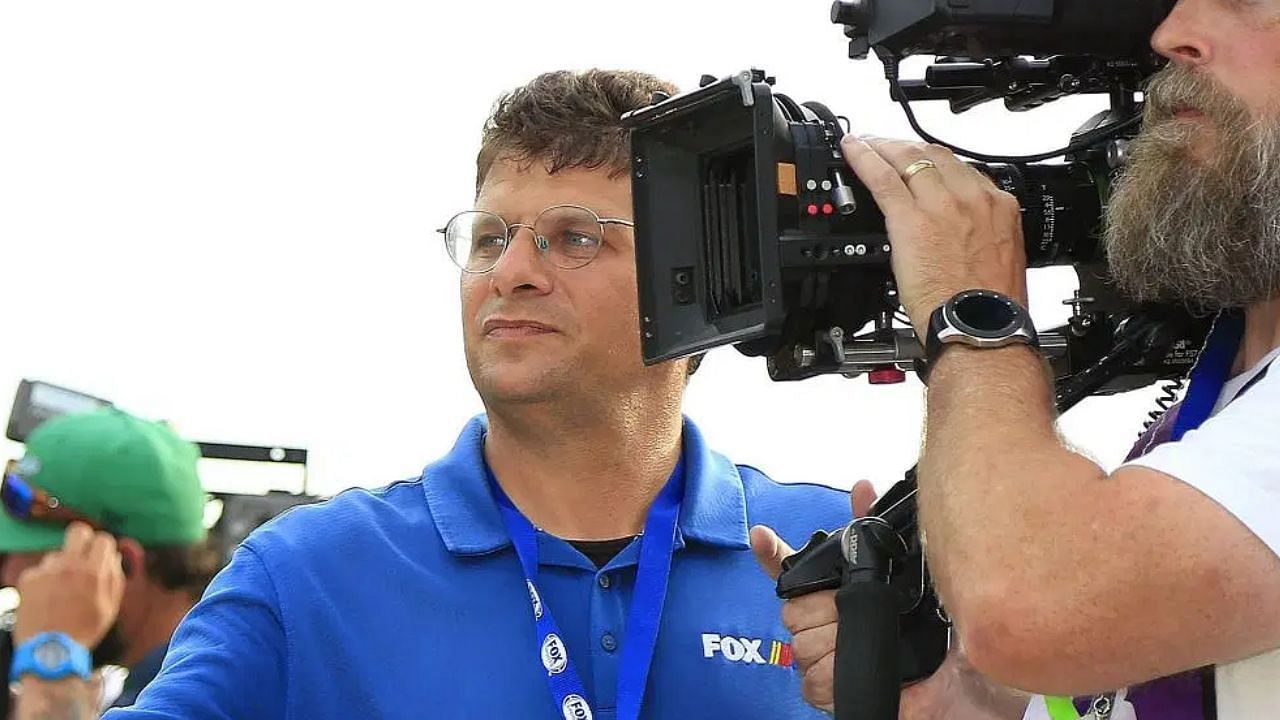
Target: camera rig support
{"x": 893, "y": 629}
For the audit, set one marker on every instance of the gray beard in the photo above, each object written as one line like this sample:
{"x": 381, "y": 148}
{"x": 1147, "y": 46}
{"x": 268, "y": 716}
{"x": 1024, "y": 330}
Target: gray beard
{"x": 1204, "y": 231}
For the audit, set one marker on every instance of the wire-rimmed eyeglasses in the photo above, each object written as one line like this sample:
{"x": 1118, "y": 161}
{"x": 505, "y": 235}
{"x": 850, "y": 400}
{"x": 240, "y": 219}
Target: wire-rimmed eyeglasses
{"x": 569, "y": 235}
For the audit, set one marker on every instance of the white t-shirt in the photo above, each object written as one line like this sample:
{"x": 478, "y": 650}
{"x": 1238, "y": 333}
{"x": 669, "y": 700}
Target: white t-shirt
{"x": 1234, "y": 458}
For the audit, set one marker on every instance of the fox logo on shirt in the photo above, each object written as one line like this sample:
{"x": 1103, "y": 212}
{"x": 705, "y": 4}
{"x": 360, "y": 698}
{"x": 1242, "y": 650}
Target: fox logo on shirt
{"x": 748, "y": 651}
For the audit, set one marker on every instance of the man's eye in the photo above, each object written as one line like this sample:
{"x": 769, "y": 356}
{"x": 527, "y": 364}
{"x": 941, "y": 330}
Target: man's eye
{"x": 581, "y": 240}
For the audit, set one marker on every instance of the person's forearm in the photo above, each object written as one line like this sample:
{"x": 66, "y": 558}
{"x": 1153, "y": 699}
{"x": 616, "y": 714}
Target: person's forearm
{"x": 994, "y": 478}
{"x": 68, "y": 699}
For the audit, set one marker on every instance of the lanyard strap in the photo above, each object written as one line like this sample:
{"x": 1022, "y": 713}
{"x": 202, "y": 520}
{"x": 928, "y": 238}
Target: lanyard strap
{"x": 1065, "y": 708}
{"x": 657, "y": 545}
{"x": 1212, "y": 369}
{"x": 1061, "y": 708}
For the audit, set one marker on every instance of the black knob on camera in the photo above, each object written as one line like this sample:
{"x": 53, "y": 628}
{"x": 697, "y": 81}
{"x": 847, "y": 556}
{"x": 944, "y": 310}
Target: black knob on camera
{"x": 850, "y": 12}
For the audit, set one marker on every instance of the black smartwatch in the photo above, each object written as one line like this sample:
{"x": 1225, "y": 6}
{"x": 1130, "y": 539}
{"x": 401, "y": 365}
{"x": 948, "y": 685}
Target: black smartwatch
{"x": 977, "y": 318}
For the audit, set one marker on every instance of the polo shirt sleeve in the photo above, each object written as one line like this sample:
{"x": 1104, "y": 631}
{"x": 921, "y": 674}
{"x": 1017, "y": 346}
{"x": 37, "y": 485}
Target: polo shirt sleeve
{"x": 1234, "y": 458}
{"x": 227, "y": 657}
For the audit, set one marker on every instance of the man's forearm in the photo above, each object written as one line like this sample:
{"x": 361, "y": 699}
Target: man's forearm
{"x": 994, "y": 476}
{"x": 68, "y": 699}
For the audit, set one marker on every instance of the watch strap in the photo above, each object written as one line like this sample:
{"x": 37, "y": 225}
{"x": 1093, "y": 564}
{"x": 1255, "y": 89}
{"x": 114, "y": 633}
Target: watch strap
{"x": 1023, "y": 332}
{"x": 933, "y": 345}
{"x": 78, "y": 662}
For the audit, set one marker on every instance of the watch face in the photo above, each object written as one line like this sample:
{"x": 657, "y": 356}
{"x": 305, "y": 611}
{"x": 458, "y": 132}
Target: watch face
{"x": 50, "y": 655}
{"x": 984, "y": 315}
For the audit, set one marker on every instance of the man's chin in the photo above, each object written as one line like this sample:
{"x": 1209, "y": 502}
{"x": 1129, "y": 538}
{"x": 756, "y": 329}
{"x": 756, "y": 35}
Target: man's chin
{"x": 518, "y": 386}
{"x": 1181, "y": 140}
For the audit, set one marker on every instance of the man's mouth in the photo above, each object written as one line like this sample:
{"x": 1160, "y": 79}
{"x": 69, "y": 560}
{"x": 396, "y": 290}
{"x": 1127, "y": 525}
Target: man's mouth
{"x": 1187, "y": 112}
{"x": 515, "y": 328}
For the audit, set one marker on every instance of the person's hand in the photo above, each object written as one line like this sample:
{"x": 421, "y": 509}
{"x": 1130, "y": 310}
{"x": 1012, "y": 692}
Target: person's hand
{"x": 75, "y": 590}
{"x": 950, "y": 228}
{"x": 954, "y": 692}
{"x": 810, "y": 618}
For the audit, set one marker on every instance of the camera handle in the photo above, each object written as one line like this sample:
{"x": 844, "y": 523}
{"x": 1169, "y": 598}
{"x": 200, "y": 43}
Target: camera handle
{"x": 867, "y": 677}
{"x": 857, "y": 561}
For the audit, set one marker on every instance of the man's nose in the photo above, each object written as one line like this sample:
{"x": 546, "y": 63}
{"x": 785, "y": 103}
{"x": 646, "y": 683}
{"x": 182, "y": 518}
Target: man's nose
{"x": 1181, "y": 37}
{"x": 522, "y": 265}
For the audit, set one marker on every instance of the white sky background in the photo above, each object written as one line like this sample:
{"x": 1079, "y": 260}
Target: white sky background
{"x": 222, "y": 214}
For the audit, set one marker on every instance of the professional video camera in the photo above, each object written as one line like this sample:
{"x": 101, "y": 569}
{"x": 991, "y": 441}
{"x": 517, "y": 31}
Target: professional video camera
{"x": 752, "y": 231}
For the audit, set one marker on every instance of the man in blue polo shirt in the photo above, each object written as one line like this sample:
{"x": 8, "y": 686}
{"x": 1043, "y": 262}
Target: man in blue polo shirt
{"x": 581, "y": 553}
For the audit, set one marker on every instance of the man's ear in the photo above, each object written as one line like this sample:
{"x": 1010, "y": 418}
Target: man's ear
{"x": 695, "y": 362}
{"x": 132, "y": 557}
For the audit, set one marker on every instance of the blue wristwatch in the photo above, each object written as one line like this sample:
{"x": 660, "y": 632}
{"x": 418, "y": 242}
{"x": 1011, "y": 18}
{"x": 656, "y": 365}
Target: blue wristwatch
{"x": 50, "y": 656}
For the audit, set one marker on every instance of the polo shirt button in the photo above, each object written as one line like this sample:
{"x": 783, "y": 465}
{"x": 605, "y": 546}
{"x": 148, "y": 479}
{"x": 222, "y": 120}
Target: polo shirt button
{"x": 608, "y": 642}
{"x": 604, "y": 581}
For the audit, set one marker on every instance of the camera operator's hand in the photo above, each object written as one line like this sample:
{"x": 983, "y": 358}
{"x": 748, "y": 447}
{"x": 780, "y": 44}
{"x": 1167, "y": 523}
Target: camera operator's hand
{"x": 76, "y": 590}
{"x": 955, "y": 692}
{"x": 810, "y": 618}
{"x": 951, "y": 229}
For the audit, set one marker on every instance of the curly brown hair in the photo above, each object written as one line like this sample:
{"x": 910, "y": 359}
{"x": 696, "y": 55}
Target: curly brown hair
{"x": 567, "y": 120}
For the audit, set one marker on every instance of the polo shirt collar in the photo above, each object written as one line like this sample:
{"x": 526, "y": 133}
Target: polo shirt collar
{"x": 467, "y": 516}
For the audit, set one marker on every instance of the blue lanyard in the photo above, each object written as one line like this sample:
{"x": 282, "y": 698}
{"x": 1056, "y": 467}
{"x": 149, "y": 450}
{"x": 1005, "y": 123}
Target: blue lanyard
{"x": 1212, "y": 369}
{"x": 656, "y": 548}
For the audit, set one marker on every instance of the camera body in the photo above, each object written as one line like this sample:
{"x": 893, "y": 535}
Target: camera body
{"x": 751, "y": 230}
{"x": 1101, "y": 29}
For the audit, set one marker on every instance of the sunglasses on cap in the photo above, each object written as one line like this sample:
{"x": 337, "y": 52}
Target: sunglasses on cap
{"x": 25, "y": 502}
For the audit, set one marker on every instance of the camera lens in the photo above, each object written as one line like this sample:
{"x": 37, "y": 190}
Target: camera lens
{"x": 1061, "y": 205}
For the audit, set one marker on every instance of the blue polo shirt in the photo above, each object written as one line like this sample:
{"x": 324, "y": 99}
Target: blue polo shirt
{"x": 409, "y": 602}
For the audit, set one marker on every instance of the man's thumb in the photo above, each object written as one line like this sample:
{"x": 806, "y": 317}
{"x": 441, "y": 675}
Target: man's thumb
{"x": 770, "y": 550}
{"x": 863, "y": 497}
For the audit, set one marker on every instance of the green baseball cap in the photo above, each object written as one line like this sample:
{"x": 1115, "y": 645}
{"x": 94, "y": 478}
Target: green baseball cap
{"x": 137, "y": 478}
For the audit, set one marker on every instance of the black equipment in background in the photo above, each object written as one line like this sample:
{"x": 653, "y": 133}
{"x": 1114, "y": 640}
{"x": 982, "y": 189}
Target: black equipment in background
{"x": 238, "y": 513}
{"x": 241, "y": 514}
{"x": 35, "y": 402}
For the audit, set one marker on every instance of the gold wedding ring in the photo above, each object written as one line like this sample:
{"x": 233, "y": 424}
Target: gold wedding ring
{"x": 918, "y": 166}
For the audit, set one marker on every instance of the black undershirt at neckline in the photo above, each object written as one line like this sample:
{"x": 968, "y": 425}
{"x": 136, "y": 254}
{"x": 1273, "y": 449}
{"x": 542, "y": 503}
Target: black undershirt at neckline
{"x": 600, "y": 552}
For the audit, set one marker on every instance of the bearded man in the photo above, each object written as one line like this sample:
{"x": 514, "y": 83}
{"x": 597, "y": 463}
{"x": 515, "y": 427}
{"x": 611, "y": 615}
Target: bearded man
{"x": 1152, "y": 592}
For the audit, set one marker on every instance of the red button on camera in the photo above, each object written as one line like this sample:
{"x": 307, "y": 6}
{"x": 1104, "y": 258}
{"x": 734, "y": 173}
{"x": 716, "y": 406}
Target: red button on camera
{"x": 886, "y": 376}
